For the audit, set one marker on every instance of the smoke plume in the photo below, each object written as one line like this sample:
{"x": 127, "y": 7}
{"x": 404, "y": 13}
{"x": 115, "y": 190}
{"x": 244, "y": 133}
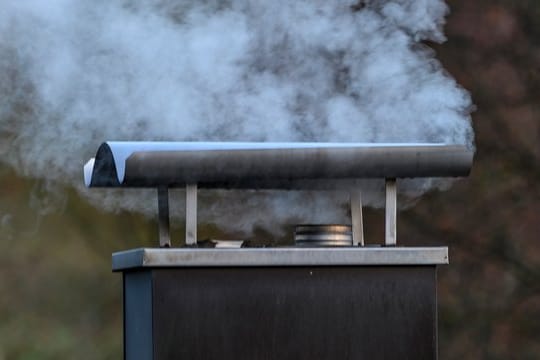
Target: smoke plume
{"x": 75, "y": 73}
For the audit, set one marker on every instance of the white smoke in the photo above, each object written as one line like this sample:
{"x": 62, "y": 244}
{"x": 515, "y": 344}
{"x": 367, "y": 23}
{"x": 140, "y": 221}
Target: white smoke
{"x": 75, "y": 73}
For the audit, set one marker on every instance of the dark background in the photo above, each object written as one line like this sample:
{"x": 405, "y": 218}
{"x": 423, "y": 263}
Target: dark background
{"x": 59, "y": 299}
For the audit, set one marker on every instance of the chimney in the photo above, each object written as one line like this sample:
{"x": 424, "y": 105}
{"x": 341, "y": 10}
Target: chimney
{"x": 327, "y": 297}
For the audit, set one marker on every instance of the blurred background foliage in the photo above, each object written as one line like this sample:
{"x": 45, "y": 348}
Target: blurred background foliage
{"x": 59, "y": 299}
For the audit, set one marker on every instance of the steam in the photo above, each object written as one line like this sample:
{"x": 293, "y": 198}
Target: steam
{"x": 76, "y": 73}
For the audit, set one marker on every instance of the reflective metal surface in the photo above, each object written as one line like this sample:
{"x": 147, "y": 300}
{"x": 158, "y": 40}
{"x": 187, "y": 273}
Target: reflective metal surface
{"x": 250, "y": 257}
{"x": 323, "y": 235}
{"x": 268, "y": 165}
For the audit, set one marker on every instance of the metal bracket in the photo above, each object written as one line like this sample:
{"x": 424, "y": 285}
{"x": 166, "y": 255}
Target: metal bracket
{"x": 391, "y": 213}
{"x": 191, "y": 214}
{"x": 356, "y": 218}
{"x": 163, "y": 217}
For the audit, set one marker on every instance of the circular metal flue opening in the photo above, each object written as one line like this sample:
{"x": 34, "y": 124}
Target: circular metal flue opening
{"x": 308, "y": 235}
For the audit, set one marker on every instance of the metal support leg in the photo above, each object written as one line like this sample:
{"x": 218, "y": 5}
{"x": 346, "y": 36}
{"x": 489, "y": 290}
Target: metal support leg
{"x": 356, "y": 218}
{"x": 191, "y": 214}
{"x": 163, "y": 217}
{"x": 391, "y": 213}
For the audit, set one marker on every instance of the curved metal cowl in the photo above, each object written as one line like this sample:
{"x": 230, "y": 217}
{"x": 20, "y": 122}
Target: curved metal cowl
{"x": 267, "y": 165}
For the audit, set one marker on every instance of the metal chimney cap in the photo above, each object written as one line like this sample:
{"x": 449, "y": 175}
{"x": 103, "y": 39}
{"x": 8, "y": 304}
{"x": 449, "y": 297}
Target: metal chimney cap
{"x": 270, "y": 165}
